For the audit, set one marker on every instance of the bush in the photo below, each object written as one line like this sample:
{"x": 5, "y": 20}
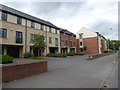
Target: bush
{"x": 27, "y": 55}
{"x": 107, "y": 51}
{"x": 4, "y": 59}
{"x": 70, "y": 54}
{"x": 79, "y": 53}
{"x": 57, "y": 55}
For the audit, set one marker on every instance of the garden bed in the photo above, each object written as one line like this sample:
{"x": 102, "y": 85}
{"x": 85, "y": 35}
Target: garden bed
{"x": 22, "y": 68}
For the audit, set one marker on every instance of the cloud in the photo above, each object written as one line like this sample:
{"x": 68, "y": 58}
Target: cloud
{"x": 98, "y": 16}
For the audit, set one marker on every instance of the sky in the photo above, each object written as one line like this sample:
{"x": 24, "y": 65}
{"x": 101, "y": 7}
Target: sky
{"x": 96, "y": 15}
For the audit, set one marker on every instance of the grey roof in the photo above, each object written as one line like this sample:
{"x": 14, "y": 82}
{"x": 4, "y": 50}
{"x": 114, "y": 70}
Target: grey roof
{"x": 67, "y": 32}
{"x": 24, "y": 15}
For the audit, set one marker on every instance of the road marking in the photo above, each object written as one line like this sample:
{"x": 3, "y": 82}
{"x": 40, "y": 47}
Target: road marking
{"x": 104, "y": 81}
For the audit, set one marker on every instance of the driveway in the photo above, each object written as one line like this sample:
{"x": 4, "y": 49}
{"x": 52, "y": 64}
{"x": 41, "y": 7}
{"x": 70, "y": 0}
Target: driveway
{"x": 70, "y": 72}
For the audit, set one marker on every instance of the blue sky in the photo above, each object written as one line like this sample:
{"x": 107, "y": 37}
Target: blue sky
{"x": 98, "y": 16}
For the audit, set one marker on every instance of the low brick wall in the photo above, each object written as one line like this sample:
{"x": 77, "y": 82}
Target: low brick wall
{"x": 14, "y": 72}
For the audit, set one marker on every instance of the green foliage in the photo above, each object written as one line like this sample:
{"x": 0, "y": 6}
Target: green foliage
{"x": 79, "y": 53}
{"x": 107, "y": 51}
{"x": 114, "y": 44}
{"x": 27, "y": 55}
{"x": 4, "y": 59}
{"x": 39, "y": 42}
{"x": 57, "y": 55}
{"x": 70, "y": 54}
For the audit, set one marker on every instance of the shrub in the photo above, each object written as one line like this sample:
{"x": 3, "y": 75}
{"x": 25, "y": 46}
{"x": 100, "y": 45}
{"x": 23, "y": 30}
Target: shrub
{"x": 4, "y": 59}
{"x": 79, "y": 53}
{"x": 27, "y": 55}
{"x": 57, "y": 55}
{"x": 106, "y": 51}
{"x": 70, "y": 54}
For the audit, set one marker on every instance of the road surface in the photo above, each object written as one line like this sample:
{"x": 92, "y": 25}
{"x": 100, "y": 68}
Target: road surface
{"x": 72, "y": 72}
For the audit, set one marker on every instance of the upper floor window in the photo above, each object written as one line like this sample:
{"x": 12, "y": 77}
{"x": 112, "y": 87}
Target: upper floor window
{"x": 62, "y": 42}
{"x": 31, "y": 37}
{"x": 19, "y": 20}
{"x": 18, "y": 37}
{"x": 32, "y": 24}
{"x": 80, "y": 43}
{"x": 50, "y": 39}
{"x": 56, "y": 41}
{"x": 50, "y": 29}
{"x": 42, "y": 27}
{"x": 81, "y": 35}
{"x": 74, "y": 44}
{"x": 66, "y": 43}
{"x": 55, "y": 31}
{"x": 70, "y": 43}
{"x": 3, "y": 32}
{"x": 4, "y": 16}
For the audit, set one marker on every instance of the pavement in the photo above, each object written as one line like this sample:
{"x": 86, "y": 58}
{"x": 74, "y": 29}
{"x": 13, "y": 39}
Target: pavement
{"x": 72, "y": 72}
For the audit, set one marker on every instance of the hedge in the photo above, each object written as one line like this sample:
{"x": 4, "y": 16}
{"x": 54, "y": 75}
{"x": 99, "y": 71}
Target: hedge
{"x": 57, "y": 55}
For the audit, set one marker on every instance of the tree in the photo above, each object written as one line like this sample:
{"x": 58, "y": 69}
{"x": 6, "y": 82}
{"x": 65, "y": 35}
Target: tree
{"x": 114, "y": 44}
{"x": 39, "y": 43}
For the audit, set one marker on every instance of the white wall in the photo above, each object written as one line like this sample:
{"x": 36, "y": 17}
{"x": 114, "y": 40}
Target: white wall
{"x": 86, "y": 33}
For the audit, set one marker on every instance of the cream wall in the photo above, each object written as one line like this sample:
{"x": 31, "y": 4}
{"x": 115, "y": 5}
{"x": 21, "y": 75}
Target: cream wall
{"x": 11, "y": 33}
{"x": 0, "y": 15}
{"x": 86, "y": 33}
{"x": 12, "y": 26}
{"x": 12, "y": 18}
{"x": 99, "y": 44}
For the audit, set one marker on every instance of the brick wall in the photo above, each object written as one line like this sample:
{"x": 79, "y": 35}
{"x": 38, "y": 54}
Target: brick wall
{"x": 14, "y": 72}
{"x": 92, "y": 45}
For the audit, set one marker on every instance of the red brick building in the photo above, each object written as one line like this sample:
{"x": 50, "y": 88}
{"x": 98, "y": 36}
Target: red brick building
{"x": 68, "y": 41}
{"x": 94, "y": 42}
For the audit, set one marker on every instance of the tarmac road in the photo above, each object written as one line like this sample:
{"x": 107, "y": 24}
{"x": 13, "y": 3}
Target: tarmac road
{"x": 71, "y": 72}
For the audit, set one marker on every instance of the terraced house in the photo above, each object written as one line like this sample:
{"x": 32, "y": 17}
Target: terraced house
{"x": 17, "y": 30}
{"x": 68, "y": 41}
{"x": 95, "y": 43}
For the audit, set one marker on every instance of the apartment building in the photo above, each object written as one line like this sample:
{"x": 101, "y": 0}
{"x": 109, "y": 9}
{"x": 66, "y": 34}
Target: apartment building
{"x": 68, "y": 41}
{"x": 17, "y": 30}
{"x": 94, "y": 42}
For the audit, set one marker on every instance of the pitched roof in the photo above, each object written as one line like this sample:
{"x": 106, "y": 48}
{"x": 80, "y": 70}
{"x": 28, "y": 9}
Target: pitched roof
{"x": 24, "y": 15}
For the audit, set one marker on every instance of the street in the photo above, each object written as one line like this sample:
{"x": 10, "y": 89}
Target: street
{"x": 73, "y": 72}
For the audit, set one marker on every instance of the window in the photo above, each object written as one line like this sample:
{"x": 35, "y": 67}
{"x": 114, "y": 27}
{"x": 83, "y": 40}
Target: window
{"x": 81, "y": 35}
{"x": 80, "y": 43}
{"x": 42, "y": 27}
{"x": 55, "y": 31}
{"x": 62, "y": 42}
{"x": 19, "y": 20}
{"x": 32, "y": 24}
{"x": 71, "y": 43}
{"x": 50, "y": 39}
{"x": 3, "y": 33}
{"x": 18, "y": 37}
{"x": 50, "y": 30}
{"x": 4, "y": 16}
{"x": 56, "y": 41}
{"x": 31, "y": 37}
{"x": 66, "y": 43}
{"x": 74, "y": 44}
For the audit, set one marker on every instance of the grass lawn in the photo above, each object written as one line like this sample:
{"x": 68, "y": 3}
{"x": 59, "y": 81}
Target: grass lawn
{"x": 38, "y": 58}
